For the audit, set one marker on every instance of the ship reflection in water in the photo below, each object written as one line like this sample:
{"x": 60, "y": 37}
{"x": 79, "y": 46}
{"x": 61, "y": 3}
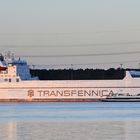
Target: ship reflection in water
{"x": 104, "y": 130}
{"x": 69, "y": 121}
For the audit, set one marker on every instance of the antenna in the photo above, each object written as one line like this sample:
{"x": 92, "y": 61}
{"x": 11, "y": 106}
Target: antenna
{"x": 121, "y": 66}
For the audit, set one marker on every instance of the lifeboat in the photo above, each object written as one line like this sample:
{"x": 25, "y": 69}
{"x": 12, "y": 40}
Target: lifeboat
{"x": 2, "y": 68}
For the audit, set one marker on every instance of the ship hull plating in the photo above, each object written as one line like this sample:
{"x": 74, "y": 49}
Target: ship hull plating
{"x": 66, "y": 91}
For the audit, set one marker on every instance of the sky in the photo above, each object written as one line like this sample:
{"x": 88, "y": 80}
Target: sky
{"x": 72, "y": 27}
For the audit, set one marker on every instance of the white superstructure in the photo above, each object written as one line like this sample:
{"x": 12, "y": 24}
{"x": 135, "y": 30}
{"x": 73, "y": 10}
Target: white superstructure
{"x": 16, "y": 84}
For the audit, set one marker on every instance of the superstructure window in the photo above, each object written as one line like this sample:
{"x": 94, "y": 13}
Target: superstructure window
{"x": 5, "y": 80}
{"x": 9, "y": 80}
{"x": 17, "y": 80}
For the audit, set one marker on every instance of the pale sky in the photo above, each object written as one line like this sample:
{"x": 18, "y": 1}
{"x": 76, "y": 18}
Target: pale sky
{"x": 68, "y": 27}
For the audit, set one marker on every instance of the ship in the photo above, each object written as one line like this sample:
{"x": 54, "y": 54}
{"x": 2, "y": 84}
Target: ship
{"x": 125, "y": 97}
{"x": 17, "y": 85}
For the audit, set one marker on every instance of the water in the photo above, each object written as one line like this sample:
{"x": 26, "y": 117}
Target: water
{"x": 70, "y": 121}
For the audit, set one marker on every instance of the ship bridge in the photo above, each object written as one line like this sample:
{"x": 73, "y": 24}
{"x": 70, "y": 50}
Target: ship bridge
{"x": 15, "y": 70}
{"x": 9, "y": 75}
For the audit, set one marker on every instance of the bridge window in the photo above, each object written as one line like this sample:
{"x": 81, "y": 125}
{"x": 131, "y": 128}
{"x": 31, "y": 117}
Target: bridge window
{"x": 17, "y": 80}
{"x": 9, "y": 80}
{"x": 5, "y": 80}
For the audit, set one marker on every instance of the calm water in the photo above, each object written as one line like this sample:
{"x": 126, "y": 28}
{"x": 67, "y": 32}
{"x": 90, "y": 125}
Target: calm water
{"x": 70, "y": 121}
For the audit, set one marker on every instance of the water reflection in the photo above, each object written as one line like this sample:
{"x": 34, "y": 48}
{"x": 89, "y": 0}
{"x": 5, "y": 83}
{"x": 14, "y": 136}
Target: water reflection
{"x": 8, "y": 131}
{"x": 98, "y": 130}
{"x": 12, "y": 130}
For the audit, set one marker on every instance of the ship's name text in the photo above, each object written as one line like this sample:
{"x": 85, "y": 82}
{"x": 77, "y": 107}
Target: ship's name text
{"x": 74, "y": 93}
